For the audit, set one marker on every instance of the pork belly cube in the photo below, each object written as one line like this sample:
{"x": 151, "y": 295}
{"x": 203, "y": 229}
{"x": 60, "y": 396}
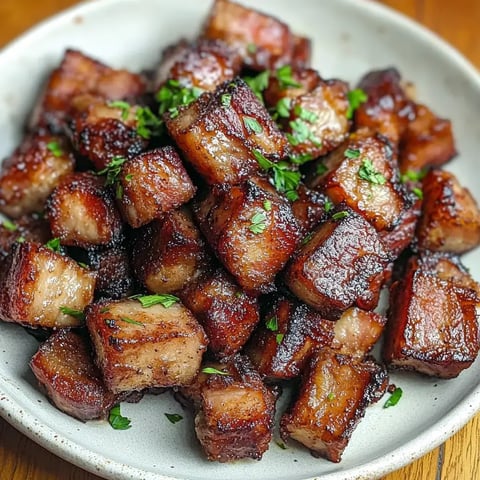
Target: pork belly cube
{"x": 138, "y": 347}
{"x": 151, "y": 185}
{"x": 450, "y": 220}
{"x": 302, "y": 52}
{"x": 38, "y": 284}
{"x": 82, "y": 212}
{"x": 363, "y": 174}
{"x": 318, "y": 119}
{"x": 427, "y": 142}
{"x": 263, "y": 41}
{"x": 340, "y": 266}
{"x": 335, "y": 392}
{"x": 432, "y": 325}
{"x": 282, "y": 345}
{"x": 227, "y": 314}
{"x": 170, "y": 253}
{"x": 64, "y": 368}
{"x": 32, "y": 172}
{"x": 219, "y": 132}
{"x": 309, "y": 208}
{"x": 78, "y": 74}
{"x": 387, "y": 109}
{"x": 252, "y": 230}
{"x": 235, "y": 411}
{"x": 204, "y": 64}
{"x": 102, "y": 130}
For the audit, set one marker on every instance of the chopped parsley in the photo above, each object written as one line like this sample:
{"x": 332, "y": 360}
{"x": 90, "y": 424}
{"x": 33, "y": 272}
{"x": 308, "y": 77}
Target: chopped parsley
{"x": 55, "y": 149}
{"x": 213, "y": 371}
{"x": 394, "y": 398}
{"x": 148, "y": 124}
{"x": 301, "y": 158}
{"x": 78, "y": 314}
{"x": 328, "y": 205}
{"x": 321, "y": 168}
{"x": 20, "y": 239}
{"x": 281, "y": 445}
{"x": 173, "y": 417}
{"x": 279, "y": 338}
{"x": 258, "y": 84}
{"x": 282, "y": 109}
{"x": 285, "y": 78}
{"x": 367, "y": 172}
{"x": 123, "y": 106}
{"x": 355, "y": 98}
{"x": 252, "y": 125}
{"x": 226, "y": 99}
{"x": 307, "y": 238}
{"x": 251, "y": 48}
{"x": 340, "y": 215}
{"x": 53, "y": 244}
{"x": 166, "y": 300}
{"x": 418, "y": 192}
{"x": 129, "y": 177}
{"x": 117, "y": 421}
{"x": 112, "y": 170}
{"x": 413, "y": 176}
{"x": 272, "y": 324}
{"x": 307, "y": 115}
{"x": 9, "y": 225}
{"x": 331, "y": 397}
{"x": 351, "y": 153}
{"x": 267, "y": 205}
{"x": 173, "y": 95}
{"x": 131, "y": 321}
{"x": 258, "y": 223}
{"x": 301, "y": 133}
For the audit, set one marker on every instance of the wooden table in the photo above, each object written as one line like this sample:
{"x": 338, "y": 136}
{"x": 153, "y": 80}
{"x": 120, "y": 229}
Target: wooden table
{"x": 456, "y": 459}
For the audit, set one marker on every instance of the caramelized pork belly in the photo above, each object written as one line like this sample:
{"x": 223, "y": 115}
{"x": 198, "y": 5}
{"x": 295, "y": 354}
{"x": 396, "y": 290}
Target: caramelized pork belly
{"x": 263, "y": 41}
{"x": 235, "y": 411}
{"x": 281, "y": 346}
{"x": 252, "y": 230}
{"x": 151, "y": 185}
{"x": 204, "y": 64}
{"x": 38, "y": 283}
{"x": 450, "y": 220}
{"x": 219, "y": 132}
{"x": 432, "y": 326}
{"x": 102, "y": 130}
{"x": 341, "y": 265}
{"x": 32, "y": 172}
{"x": 309, "y": 208}
{"x": 227, "y": 314}
{"x": 138, "y": 347}
{"x": 363, "y": 174}
{"x": 335, "y": 392}
{"x": 64, "y": 368}
{"x": 388, "y": 109}
{"x": 82, "y": 212}
{"x": 427, "y": 142}
{"x": 170, "y": 253}
{"x": 78, "y": 74}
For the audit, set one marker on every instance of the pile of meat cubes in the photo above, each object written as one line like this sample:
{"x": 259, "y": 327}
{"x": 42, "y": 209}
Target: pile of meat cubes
{"x": 224, "y": 225}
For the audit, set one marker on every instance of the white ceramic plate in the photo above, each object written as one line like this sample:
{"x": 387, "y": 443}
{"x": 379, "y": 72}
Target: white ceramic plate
{"x": 349, "y": 37}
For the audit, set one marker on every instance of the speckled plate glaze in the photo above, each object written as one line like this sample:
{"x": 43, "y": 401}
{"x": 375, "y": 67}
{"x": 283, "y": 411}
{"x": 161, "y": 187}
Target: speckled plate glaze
{"x": 349, "y": 37}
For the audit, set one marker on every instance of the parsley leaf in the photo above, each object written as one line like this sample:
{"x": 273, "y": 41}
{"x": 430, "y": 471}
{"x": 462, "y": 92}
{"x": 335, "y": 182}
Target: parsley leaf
{"x": 165, "y": 300}
{"x": 130, "y": 320}
{"x": 340, "y": 215}
{"x": 226, "y": 100}
{"x": 112, "y": 170}
{"x": 272, "y": 324}
{"x": 251, "y": 48}
{"x": 394, "y": 398}
{"x": 285, "y": 78}
{"x": 321, "y": 168}
{"x": 283, "y": 107}
{"x": 173, "y": 95}
{"x": 124, "y": 107}
{"x": 117, "y": 421}
{"x": 413, "y": 176}
{"x": 258, "y": 223}
{"x": 301, "y": 158}
{"x": 351, "y": 153}
{"x": 173, "y": 417}
{"x": 53, "y": 244}
{"x": 328, "y": 205}
{"x": 355, "y": 98}
{"x": 279, "y": 338}
{"x": 307, "y": 115}
{"x": 307, "y": 238}
{"x": 418, "y": 192}
{"x": 367, "y": 172}
{"x": 213, "y": 371}
{"x": 331, "y": 397}
{"x": 148, "y": 124}
{"x": 301, "y": 133}
{"x": 55, "y": 149}
{"x": 267, "y": 205}
{"x": 252, "y": 125}
{"x": 9, "y": 225}
{"x": 258, "y": 84}
{"x": 78, "y": 314}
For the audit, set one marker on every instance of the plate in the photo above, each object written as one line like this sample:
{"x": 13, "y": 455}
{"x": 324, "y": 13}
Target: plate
{"x": 349, "y": 38}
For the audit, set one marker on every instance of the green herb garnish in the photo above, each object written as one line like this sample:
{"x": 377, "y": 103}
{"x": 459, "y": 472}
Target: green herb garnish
{"x": 226, "y": 100}
{"x": 367, "y": 172}
{"x": 394, "y": 398}
{"x": 117, "y": 421}
{"x": 328, "y": 205}
{"x": 418, "y": 192}
{"x": 307, "y": 238}
{"x": 213, "y": 371}
{"x": 413, "y": 176}
{"x": 173, "y": 417}
{"x": 53, "y": 244}
{"x": 173, "y": 95}
{"x": 351, "y": 153}
{"x": 123, "y": 106}
{"x": 267, "y": 205}
{"x": 78, "y": 314}
{"x": 301, "y": 133}
{"x": 283, "y": 107}
{"x": 331, "y": 397}
{"x": 281, "y": 445}
{"x": 340, "y": 215}
{"x": 252, "y": 125}
{"x": 285, "y": 78}
{"x": 279, "y": 338}
{"x": 55, "y": 149}
{"x": 112, "y": 170}
{"x": 251, "y": 48}
{"x": 355, "y": 98}
{"x": 308, "y": 116}
{"x": 258, "y": 223}
{"x": 258, "y": 84}
{"x": 131, "y": 321}
{"x": 166, "y": 300}
{"x": 301, "y": 158}
{"x": 321, "y": 168}
{"x": 9, "y": 225}
{"x": 272, "y": 324}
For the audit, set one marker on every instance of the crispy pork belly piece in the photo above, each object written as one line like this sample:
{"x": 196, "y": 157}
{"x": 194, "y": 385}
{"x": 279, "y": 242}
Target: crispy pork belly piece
{"x": 204, "y": 64}
{"x": 38, "y": 283}
{"x": 170, "y": 253}
{"x": 235, "y": 411}
{"x": 78, "y": 74}
{"x": 219, "y": 132}
{"x": 227, "y": 314}
{"x": 102, "y": 130}
{"x": 263, "y": 41}
{"x": 112, "y": 267}
{"x": 318, "y": 119}
{"x": 64, "y": 368}
{"x": 450, "y": 220}
{"x": 302, "y": 52}
{"x": 341, "y": 265}
{"x": 388, "y": 109}
{"x": 363, "y": 174}
{"x": 252, "y": 230}
{"x": 151, "y": 185}
{"x": 138, "y": 347}
{"x": 427, "y": 142}
{"x": 432, "y": 322}
{"x": 309, "y": 208}
{"x": 32, "y": 172}
{"x": 335, "y": 392}
{"x": 281, "y": 347}
{"x": 82, "y": 212}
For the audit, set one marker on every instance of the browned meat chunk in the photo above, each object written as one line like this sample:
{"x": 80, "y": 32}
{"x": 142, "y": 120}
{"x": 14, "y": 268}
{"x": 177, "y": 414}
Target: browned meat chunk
{"x": 82, "y": 212}
{"x": 335, "y": 392}
{"x": 64, "y": 367}
{"x": 168, "y": 254}
{"x": 387, "y": 109}
{"x": 29, "y": 176}
{"x": 235, "y": 411}
{"x": 432, "y": 326}
{"x": 450, "y": 220}
{"x": 152, "y": 184}
{"x": 252, "y": 230}
{"x": 227, "y": 314}
{"x": 138, "y": 347}
{"x": 341, "y": 265}
{"x": 78, "y": 74}
{"x": 427, "y": 142}
{"x": 219, "y": 132}
{"x": 309, "y": 208}
{"x": 38, "y": 284}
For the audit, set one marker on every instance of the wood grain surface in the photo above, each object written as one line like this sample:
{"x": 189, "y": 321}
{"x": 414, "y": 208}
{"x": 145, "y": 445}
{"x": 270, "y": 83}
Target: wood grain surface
{"x": 456, "y": 459}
